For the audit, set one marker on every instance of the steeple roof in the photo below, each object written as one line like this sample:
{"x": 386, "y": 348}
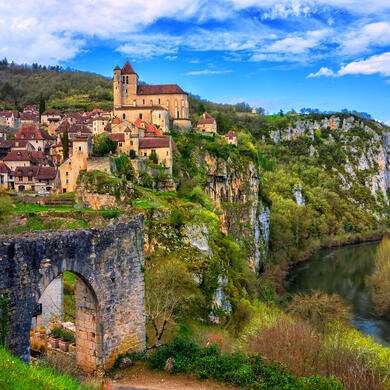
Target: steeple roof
{"x": 117, "y": 68}
{"x": 127, "y": 69}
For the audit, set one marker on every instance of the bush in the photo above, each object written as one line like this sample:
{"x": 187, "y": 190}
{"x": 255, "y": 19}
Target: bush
{"x": 380, "y": 280}
{"x": 320, "y": 309}
{"x": 103, "y": 145}
{"x": 176, "y": 219}
{"x": 238, "y": 369}
{"x": 67, "y": 335}
{"x": 145, "y": 180}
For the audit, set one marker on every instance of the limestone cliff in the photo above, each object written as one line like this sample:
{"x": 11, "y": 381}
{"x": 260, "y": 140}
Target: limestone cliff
{"x": 364, "y": 145}
{"x": 245, "y": 216}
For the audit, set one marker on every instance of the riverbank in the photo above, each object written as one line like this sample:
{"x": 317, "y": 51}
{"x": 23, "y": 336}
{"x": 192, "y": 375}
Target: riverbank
{"x": 280, "y": 278}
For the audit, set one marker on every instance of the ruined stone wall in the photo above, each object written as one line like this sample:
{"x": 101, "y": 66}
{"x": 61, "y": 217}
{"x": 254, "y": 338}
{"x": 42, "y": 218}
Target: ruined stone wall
{"x": 108, "y": 262}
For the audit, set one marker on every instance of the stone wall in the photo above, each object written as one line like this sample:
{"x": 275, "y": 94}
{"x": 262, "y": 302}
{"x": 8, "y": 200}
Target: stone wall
{"x": 108, "y": 261}
{"x": 102, "y": 164}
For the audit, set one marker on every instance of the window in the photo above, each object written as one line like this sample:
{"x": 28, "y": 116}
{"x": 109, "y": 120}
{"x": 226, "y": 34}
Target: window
{"x": 67, "y": 173}
{"x": 140, "y": 116}
{"x": 151, "y": 102}
{"x": 123, "y": 116}
{"x": 167, "y": 153}
{"x": 80, "y": 148}
{"x": 143, "y": 101}
{"x": 120, "y": 143}
{"x": 67, "y": 181}
{"x": 127, "y": 81}
{"x": 134, "y": 102}
{"x": 123, "y": 79}
{"x": 126, "y": 91}
{"x": 145, "y": 154}
{"x": 131, "y": 142}
{"x": 159, "y": 101}
{"x": 178, "y": 114}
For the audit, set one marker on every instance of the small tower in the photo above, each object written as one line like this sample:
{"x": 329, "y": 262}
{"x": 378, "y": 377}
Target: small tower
{"x": 129, "y": 84}
{"x": 117, "y": 87}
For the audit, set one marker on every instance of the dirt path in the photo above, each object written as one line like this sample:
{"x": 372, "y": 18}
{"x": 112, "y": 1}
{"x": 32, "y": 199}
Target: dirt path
{"x": 140, "y": 377}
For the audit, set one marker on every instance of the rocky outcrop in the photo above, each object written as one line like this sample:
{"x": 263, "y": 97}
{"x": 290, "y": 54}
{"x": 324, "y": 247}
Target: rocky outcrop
{"x": 245, "y": 216}
{"x": 365, "y": 143}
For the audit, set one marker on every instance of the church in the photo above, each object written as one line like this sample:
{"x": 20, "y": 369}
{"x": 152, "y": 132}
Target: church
{"x": 163, "y": 105}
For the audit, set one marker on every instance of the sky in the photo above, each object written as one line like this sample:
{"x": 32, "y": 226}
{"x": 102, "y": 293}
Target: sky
{"x": 277, "y": 54}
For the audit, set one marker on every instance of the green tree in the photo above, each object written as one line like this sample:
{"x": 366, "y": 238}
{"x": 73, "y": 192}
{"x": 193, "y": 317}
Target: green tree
{"x": 201, "y": 109}
{"x": 65, "y": 145}
{"x": 220, "y": 123}
{"x": 124, "y": 167}
{"x": 103, "y": 145}
{"x": 153, "y": 157}
{"x": 132, "y": 154}
{"x": 380, "y": 279}
{"x": 42, "y": 105}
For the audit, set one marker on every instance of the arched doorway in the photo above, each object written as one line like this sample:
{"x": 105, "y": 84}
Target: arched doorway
{"x": 68, "y": 302}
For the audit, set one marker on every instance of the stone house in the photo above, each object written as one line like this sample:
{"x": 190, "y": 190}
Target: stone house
{"x": 50, "y": 115}
{"x": 4, "y": 175}
{"x": 162, "y": 146}
{"x": 231, "y": 138}
{"x": 39, "y": 139}
{"x": 22, "y": 158}
{"x": 207, "y": 124}
{"x": 34, "y": 178}
{"x": 69, "y": 170}
{"x": 27, "y": 118}
{"x": 10, "y": 119}
{"x": 163, "y": 105}
{"x": 99, "y": 125}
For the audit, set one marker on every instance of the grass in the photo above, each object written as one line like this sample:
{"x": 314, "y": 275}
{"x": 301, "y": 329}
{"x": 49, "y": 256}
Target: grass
{"x": 15, "y": 375}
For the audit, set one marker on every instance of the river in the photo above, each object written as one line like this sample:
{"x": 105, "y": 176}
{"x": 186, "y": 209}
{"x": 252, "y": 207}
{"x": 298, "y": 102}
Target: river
{"x": 344, "y": 271}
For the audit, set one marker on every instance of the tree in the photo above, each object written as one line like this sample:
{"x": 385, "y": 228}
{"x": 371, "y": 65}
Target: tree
{"x": 132, "y": 154}
{"x": 220, "y": 123}
{"x": 153, "y": 157}
{"x": 103, "y": 145}
{"x": 42, "y": 105}
{"x": 201, "y": 109}
{"x": 380, "y": 279}
{"x": 170, "y": 292}
{"x": 65, "y": 145}
{"x": 124, "y": 167}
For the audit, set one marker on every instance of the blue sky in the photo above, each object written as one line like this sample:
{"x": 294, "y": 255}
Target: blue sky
{"x": 278, "y": 54}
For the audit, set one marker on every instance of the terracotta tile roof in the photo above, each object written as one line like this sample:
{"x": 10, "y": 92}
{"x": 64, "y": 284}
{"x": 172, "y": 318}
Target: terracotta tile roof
{"x": 159, "y": 89}
{"x": 116, "y": 121}
{"x": 117, "y": 68}
{"x": 8, "y": 114}
{"x": 47, "y": 173}
{"x": 29, "y": 116}
{"x": 206, "y": 121}
{"x": 24, "y": 155}
{"x": 26, "y": 171}
{"x": 79, "y": 128}
{"x": 31, "y": 132}
{"x": 107, "y": 128}
{"x": 152, "y": 131}
{"x": 82, "y": 137}
{"x": 148, "y": 143}
{"x": 11, "y": 143}
{"x": 51, "y": 112}
{"x": 118, "y": 137}
{"x": 230, "y": 134}
{"x": 4, "y": 168}
{"x": 127, "y": 69}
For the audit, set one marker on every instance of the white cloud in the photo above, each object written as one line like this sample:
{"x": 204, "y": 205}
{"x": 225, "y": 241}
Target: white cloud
{"x": 171, "y": 58}
{"x": 374, "y": 64}
{"x": 362, "y": 38}
{"x": 51, "y": 31}
{"x": 206, "y": 72}
{"x": 324, "y": 71}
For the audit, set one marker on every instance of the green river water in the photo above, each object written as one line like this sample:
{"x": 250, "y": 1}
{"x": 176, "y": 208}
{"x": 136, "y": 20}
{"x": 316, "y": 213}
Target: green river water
{"x": 344, "y": 271}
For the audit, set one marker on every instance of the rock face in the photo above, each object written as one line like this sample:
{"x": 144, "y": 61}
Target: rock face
{"x": 365, "y": 143}
{"x": 100, "y": 192}
{"x": 245, "y": 216}
{"x": 109, "y": 291}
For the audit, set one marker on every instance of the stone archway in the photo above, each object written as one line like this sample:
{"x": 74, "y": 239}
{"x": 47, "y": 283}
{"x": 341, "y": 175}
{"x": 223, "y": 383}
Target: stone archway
{"x": 108, "y": 263}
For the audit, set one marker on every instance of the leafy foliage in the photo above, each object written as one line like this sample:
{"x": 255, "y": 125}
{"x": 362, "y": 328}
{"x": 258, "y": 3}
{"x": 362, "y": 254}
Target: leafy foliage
{"x": 103, "y": 145}
{"x": 238, "y": 369}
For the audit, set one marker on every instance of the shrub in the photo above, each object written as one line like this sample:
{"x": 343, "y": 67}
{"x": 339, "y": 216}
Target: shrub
{"x": 145, "y": 180}
{"x": 67, "y": 335}
{"x": 103, "y": 145}
{"x": 153, "y": 157}
{"x": 132, "y": 154}
{"x": 176, "y": 219}
{"x": 238, "y": 369}
{"x": 320, "y": 308}
{"x": 56, "y": 332}
{"x": 380, "y": 279}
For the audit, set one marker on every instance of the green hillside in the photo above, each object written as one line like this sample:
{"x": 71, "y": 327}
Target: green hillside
{"x": 21, "y": 85}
